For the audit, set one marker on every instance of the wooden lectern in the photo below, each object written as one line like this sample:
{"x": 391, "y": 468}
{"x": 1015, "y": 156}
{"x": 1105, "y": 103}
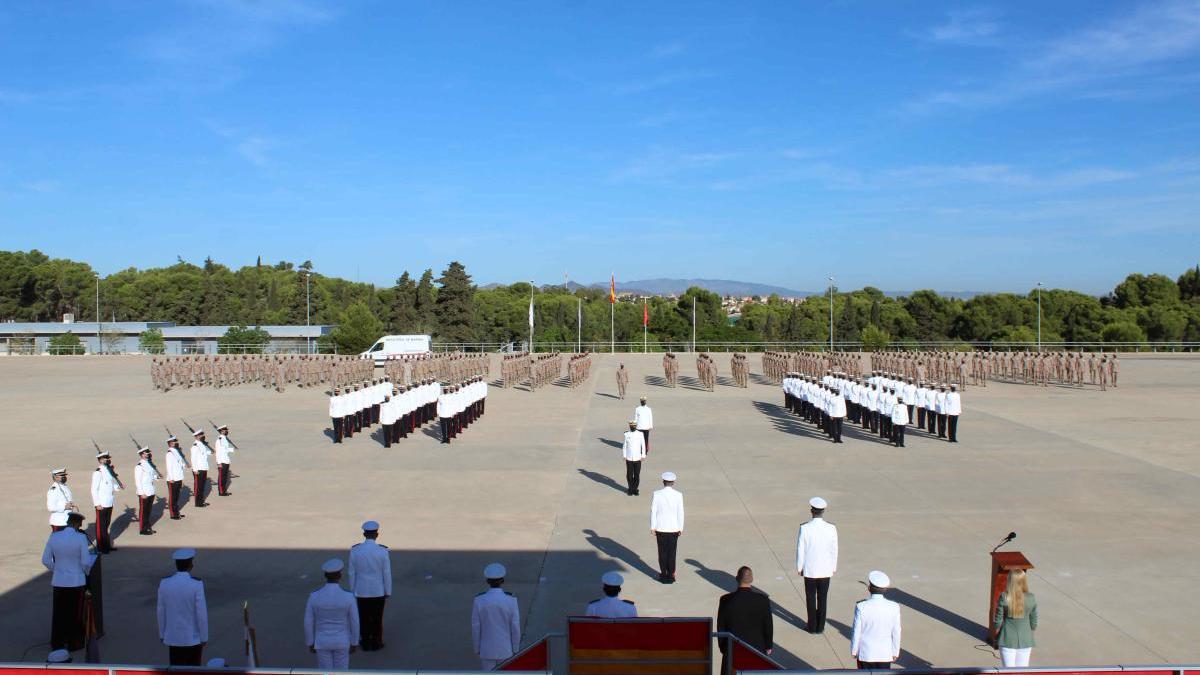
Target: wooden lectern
{"x": 1003, "y": 562}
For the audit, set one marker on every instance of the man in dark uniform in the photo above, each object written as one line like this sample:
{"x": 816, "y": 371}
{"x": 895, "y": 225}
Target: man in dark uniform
{"x": 746, "y": 613}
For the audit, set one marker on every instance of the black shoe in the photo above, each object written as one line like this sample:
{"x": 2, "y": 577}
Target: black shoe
{"x": 176, "y": 517}
{"x": 202, "y": 506}
{"x": 145, "y": 533}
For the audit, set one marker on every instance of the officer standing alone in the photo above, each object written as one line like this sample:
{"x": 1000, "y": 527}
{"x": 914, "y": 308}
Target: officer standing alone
{"x": 816, "y": 561}
{"x": 495, "y": 620}
{"x": 331, "y": 620}
{"x": 633, "y": 448}
{"x": 183, "y": 612}
{"x": 371, "y": 582}
{"x": 666, "y": 524}
{"x": 875, "y": 635}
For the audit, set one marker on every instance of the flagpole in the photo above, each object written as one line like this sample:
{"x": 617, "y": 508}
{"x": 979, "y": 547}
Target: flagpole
{"x": 693, "y": 323}
{"x": 612, "y": 327}
{"x": 645, "y": 326}
{"x": 530, "y": 317}
{"x": 579, "y": 327}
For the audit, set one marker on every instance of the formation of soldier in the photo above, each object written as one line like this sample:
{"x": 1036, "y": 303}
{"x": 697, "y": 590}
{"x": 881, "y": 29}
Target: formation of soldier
{"x": 355, "y": 407}
{"x": 273, "y": 371}
{"x": 446, "y": 366}
{"x": 671, "y": 369}
{"x": 776, "y": 364}
{"x": 579, "y": 368}
{"x": 459, "y": 405}
{"x": 706, "y": 371}
{"x": 544, "y": 369}
{"x": 739, "y": 369}
{"x": 1024, "y": 367}
{"x": 514, "y": 369}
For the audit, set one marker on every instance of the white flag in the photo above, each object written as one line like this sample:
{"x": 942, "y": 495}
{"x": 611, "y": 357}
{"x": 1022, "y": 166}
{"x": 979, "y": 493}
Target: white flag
{"x": 530, "y": 317}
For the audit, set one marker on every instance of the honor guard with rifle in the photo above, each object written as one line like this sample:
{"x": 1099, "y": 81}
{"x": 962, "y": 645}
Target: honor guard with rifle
{"x": 177, "y": 465}
{"x": 105, "y": 485}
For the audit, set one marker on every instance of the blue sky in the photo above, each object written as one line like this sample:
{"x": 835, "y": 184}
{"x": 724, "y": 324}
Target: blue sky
{"x": 981, "y": 146}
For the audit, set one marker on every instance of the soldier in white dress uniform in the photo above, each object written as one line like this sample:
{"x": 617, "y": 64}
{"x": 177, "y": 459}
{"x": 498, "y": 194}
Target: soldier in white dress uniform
{"x": 666, "y": 524}
{"x": 644, "y": 417}
{"x": 59, "y": 498}
{"x": 816, "y": 561}
{"x": 144, "y": 475}
{"x": 331, "y": 620}
{"x": 371, "y": 582}
{"x": 633, "y": 449}
{"x": 495, "y": 620}
{"x": 200, "y": 453}
{"x": 183, "y": 612}
{"x": 105, "y": 485}
{"x": 68, "y": 557}
{"x": 611, "y": 606}
{"x": 176, "y": 466}
{"x": 875, "y": 636}
{"x": 224, "y": 451}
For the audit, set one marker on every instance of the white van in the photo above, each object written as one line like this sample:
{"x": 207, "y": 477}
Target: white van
{"x": 397, "y": 345}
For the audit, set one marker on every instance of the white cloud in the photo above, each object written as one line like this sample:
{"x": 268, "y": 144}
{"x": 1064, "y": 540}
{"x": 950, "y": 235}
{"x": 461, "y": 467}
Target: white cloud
{"x": 663, "y": 164}
{"x": 1120, "y": 58}
{"x": 966, "y": 26}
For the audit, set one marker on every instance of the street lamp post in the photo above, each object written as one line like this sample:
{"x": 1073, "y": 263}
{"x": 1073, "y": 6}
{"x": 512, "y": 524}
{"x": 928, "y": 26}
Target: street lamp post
{"x": 1039, "y": 322}
{"x": 831, "y": 314}
{"x": 99, "y": 345}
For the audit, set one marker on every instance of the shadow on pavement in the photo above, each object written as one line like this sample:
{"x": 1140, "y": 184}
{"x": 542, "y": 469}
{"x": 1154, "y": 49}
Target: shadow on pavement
{"x": 602, "y": 479}
{"x": 612, "y": 549}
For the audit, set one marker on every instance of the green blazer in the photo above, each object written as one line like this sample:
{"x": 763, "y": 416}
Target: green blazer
{"x": 1016, "y": 633}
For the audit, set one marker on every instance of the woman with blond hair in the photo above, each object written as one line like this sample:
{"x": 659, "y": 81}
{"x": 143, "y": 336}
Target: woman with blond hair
{"x": 1016, "y": 620}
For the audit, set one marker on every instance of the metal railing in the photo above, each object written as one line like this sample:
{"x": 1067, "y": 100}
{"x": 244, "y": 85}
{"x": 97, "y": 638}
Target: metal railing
{"x": 637, "y": 346}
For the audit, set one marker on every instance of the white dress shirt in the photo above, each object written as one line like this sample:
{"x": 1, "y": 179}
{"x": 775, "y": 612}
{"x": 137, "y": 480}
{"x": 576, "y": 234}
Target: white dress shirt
{"x": 331, "y": 618}
{"x": 633, "y": 448}
{"x": 182, "y": 611}
{"x": 644, "y": 417}
{"x": 144, "y": 476}
{"x": 57, "y": 498}
{"x": 67, "y": 557}
{"x": 224, "y": 450}
{"x": 370, "y": 569}
{"x": 612, "y": 608}
{"x": 495, "y": 624}
{"x": 875, "y": 636}
{"x": 666, "y": 510}
{"x": 953, "y": 403}
{"x": 175, "y": 464}
{"x": 817, "y": 549}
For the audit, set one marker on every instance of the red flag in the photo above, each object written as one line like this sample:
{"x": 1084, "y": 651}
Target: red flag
{"x": 612, "y": 290}
{"x": 645, "y": 314}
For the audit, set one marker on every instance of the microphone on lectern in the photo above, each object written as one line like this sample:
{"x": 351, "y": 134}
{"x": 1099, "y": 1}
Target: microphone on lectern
{"x": 1010, "y": 537}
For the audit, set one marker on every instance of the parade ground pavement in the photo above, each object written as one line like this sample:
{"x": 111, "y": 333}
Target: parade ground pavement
{"x": 1103, "y": 490}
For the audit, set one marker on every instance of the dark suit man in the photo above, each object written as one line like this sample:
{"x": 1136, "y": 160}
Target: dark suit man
{"x": 746, "y": 613}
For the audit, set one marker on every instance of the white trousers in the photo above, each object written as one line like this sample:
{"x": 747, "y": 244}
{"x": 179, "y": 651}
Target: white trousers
{"x": 333, "y": 659}
{"x": 1015, "y": 658}
{"x": 489, "y": 664}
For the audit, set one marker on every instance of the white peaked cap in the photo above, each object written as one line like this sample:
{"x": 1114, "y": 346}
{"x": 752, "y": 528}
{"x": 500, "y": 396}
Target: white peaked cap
{"x": 183, "y": 554}
{"x": 879, "y": 579}
{"x": 818, "y": 503}
{"x": 669, "y": 476}
{"x": 494, "y": 571}
{"x": 332, "y": 565}
{"x": 612, "y": 579}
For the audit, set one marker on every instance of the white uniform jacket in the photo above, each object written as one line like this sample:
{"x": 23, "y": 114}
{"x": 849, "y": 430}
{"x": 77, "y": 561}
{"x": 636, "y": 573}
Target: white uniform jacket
{"x": 496, "y": 624}
{"x": 666, "y": 510}
{"x": 953, "y": 403}
{"x": 175, "y": 464}
{"x": 817, "y": 549}
{"x": 837, "y": 406}
{"x": 57, "y": 498}
{"x": 144, "y": 476}
{"x": 104, "y": 488}
{"x": 331, "y": 618}
{"x": 182, "y": 611}
{"x": 370, "y": 569}
{"x": 900, "y": 415}
{"x": 224, "y": 450}
{"x": 875, "y": 636}
{"x": 612, "y": 608}
{"x": 644, "y": 417}
{"x": 200, "y": 453}
{"x": 633, "y": 448}
{"x": 335, "y": 406}
{"x": 67, "y": 557}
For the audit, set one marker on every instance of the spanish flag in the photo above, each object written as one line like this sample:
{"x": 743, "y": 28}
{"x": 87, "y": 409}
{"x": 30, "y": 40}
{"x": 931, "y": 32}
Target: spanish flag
{"x": 612, "y": 290}
{"x": 645, "y": 314}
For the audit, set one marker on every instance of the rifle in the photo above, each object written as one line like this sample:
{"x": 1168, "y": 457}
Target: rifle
{"x": 149, "y": 461}
{"x": 111, "y": 471}
{"x": 194, "y": 432}
{"x": 227, "y": 438}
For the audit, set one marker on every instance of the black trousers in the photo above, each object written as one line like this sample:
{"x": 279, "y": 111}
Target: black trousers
{"x": 835, "y": 425}
{"x": 898, "y": 434}
{"x": 646, "y": 437}
{"x": 337, "y": 430}
{"x": 145, "y": 504}
{"x": 348, "y": 426}
{"x": 370, "y": 622}
{"x": 633, "y": 475}
{"x": 66, "y": 623}
{"x": 941, "y": 424}
{"x": 186, "y": 656}
{"x": 199, "y": 484}
{"x": 874, "y": 665}
{"x": 103, "y": 521}
{"x": 375, "y": 414}
{"x": 222, "y": 479}
{"x": 668, "y": 545}
{"x": 952, "y": 426}
{"x": 911, "y": 409}
{"x": 174, "y": 488}
{"x": 402, "y": 428}
{"x": 387, "y": 440}
{"x": 931, "y": 420}
{"x": 445, "y": 423}
{"x": 815, "y": 593}
{"x": 920, "y": 418}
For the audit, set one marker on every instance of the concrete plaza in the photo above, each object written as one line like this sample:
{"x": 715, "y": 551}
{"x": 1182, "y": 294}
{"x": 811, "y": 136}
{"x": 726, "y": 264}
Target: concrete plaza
{"x": 1103, "y": 490}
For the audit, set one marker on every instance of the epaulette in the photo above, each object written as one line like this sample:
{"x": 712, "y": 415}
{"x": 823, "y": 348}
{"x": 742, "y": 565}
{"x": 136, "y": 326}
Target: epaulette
{"x": 592, "y": 602}
{"x": 507, "y": 593}
{"x": 382, "y": 546}
{"x": 624, "y": 600}
{"x": 480, "y": 593}
{"x": 356, "y": 545}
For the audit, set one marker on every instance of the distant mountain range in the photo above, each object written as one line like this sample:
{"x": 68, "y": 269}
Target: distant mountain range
{"x": 722, "y": 287}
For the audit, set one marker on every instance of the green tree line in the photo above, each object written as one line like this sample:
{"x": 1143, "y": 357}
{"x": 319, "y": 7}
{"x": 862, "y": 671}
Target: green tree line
{"x": 35, "y": 287}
